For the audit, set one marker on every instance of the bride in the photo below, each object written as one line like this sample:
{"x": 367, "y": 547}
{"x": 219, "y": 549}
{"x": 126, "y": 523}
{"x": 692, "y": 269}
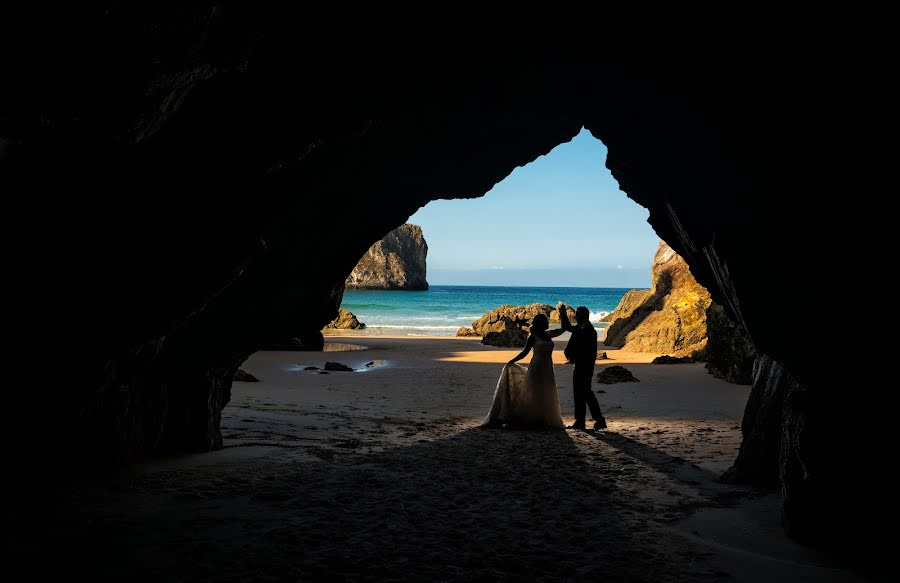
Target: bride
{"x": 528, "y": 397}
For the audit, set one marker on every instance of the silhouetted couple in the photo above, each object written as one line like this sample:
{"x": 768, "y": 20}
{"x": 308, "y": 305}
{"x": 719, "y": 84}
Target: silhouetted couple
{"x": 529, "y": 397}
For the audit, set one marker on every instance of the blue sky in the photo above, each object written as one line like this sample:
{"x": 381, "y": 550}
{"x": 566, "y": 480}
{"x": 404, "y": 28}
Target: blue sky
{"x": 559, "y": 221}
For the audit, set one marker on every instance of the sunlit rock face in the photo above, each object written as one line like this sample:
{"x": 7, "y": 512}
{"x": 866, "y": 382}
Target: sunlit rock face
{"x": 678, "y": 317}
{"x": 346, "y": 320}
{"x": 670, "y": 318}
{"x": 397, "y": 261}
{"x": 177, "y": 174}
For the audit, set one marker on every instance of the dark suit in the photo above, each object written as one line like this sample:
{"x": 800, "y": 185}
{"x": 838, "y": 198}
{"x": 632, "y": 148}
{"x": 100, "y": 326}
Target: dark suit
{"x": 582, "y": 350}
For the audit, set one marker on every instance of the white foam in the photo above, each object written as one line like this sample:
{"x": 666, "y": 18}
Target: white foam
{"x": 597, "y": 316}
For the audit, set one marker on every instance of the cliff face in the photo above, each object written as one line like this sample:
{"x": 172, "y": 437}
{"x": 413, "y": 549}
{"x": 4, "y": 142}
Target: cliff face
{"x": 670, "y": 318}
{"x": 213, "y": 160}
{"x": 395, "y": 262}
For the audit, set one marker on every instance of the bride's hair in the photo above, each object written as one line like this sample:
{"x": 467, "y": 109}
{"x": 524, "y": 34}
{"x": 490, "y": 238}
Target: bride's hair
{"x": 540, "y": 322}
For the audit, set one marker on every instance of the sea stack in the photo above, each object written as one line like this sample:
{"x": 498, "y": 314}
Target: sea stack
{"x": 397, "y": 262}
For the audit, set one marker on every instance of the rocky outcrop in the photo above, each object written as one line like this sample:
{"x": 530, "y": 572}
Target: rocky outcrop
{"x": 516, "y": 316}
{"x": 678, "y": 318}
{"x": 670, "y": 318}
{"x": 510, "y": 337}
{"x": 508, "y": 317}
{"x": 397, "y": 261}
{"x": 346, "y": 320}
{"x": 554, "y": 315}
{"x": 509, "y": 325}
{"x": 632, "y": 300}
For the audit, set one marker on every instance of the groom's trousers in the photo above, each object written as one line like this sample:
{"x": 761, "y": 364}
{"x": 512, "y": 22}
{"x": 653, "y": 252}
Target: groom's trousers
{"x": 584, "y": 396}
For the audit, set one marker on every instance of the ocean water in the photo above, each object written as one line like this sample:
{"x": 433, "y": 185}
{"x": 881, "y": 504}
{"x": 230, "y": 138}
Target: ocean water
{"x": 441, "y": 310}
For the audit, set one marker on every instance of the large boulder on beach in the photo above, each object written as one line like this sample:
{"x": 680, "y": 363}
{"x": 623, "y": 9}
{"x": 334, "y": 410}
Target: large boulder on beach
{"x": 346, "y": 320}
{"x": 678, "y": 318}
{"x": 509, "y": 317}
{"x": 670, "y": 318}
{"x": 631, "y": 301}
{"x": 615, "y": 374}
{"x": 666, "y": 359}
{"x": 395, "y": 262}
{"x": 508, "y": 338}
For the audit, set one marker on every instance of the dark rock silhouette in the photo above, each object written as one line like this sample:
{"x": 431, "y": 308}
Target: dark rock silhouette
{"x": 666, "y": 359}
{"x": 244, "y": 376}
{"x": 763, "y": 426}
{"x": 508, "y": 337}
{"x": 397, "y": 261}
{"x": 615, "y": 374}
{"x": 729, "y": 351}
{"x": 337, "y": 366}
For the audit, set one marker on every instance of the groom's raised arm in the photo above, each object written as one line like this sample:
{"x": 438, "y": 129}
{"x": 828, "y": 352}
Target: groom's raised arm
{"x": 564, "y": 317}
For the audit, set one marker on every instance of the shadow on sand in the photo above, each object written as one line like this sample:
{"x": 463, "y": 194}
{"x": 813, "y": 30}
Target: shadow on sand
{"x": 479, "y": 505}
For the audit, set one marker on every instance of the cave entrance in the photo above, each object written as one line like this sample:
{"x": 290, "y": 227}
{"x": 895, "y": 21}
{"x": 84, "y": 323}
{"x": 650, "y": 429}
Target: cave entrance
{"x": 556, "y": 230}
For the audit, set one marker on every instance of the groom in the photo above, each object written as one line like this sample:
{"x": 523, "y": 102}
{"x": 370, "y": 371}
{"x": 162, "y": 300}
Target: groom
{"x": 582, "y": 350}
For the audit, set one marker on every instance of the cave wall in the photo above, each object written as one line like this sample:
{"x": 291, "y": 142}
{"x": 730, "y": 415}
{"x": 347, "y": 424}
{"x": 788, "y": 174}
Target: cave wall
{"x": 173, "y": 169}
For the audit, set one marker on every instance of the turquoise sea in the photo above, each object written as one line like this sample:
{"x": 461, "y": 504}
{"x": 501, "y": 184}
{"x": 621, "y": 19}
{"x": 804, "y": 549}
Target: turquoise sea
{"x": 441, "y": 310}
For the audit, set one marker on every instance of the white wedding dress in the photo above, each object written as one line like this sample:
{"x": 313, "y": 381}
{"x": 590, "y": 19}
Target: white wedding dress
{"x": 527, "y": 397}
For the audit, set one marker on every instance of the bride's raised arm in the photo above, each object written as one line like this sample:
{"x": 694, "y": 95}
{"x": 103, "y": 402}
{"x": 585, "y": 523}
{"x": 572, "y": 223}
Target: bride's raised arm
{"x": 528, "y": 345}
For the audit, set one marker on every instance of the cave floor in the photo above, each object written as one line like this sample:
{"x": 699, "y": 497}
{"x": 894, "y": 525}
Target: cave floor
{"x": 384, "y": 475}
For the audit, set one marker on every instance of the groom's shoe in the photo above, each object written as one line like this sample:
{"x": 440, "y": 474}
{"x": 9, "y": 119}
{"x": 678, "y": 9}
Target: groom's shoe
{"x": 577, "y": 425}
{"x": 600, "y": 423}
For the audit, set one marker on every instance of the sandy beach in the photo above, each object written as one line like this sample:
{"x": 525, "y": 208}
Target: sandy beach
{"x": 383, "y": 474}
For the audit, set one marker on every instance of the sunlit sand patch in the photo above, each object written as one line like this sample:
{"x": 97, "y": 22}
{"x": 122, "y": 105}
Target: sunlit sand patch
{"x": 501, "y": 355}
{"x": 342, "y": 347}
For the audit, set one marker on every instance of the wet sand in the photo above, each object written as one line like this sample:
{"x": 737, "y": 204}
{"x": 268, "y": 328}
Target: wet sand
{"x": 383, "y": 474}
